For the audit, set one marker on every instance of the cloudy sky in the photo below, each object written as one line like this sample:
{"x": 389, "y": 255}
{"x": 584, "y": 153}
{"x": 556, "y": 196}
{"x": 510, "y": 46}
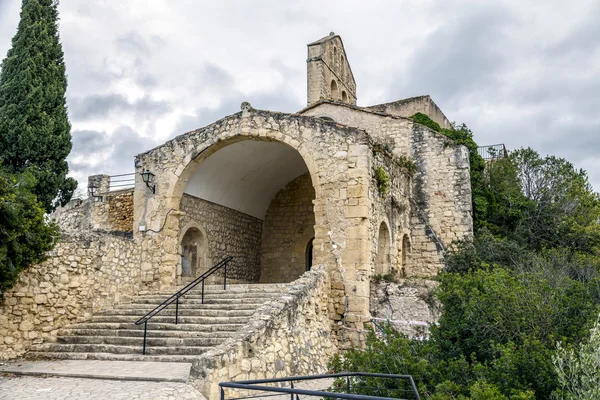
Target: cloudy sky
{"x": 522, "y": 72}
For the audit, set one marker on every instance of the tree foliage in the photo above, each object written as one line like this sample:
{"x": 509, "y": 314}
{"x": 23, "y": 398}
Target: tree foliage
{"x": 34, "y": 128}
{"x": 25, "y": 236}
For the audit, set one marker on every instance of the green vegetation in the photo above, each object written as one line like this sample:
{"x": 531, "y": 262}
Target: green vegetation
{"x": 35, "y": 140}
{"x": 35, "y": 134}
{"x": 529, "y": 279}
{"x": 382, "y": 178}
{"x": 25, "y": 236}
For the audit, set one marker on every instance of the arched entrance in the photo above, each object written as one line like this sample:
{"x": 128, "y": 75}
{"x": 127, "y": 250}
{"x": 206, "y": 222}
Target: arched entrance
{"x": 193, "y": 254}
{"x": 255, "y": 200}
{"x": 382, "y": 260}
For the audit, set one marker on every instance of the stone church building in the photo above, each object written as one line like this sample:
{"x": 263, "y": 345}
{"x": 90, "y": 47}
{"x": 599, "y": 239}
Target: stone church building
{"x": 326, "y": 199}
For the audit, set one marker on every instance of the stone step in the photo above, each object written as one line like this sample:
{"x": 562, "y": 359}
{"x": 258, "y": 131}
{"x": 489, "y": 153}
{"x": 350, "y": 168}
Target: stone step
{"x": 160, "y": 326}
{"x": 198, "y": 291}
{"x": 138, "y": 341}
{"x": 121, "y": 349}
{"x": 184, "y": 300}
{"x": 183, "y": 312}
{"x": 140, "y": 333}
{"x": 192, "y": 306}
{"x": 211, "y": 296}
{"x": 46, "y": 355}
{"x": 171, "y": 319}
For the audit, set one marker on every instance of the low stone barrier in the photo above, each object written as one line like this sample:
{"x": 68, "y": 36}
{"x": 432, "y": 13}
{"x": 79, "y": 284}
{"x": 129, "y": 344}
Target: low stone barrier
{"x": 290, "y": 335}
{"x": 84, "y": 273}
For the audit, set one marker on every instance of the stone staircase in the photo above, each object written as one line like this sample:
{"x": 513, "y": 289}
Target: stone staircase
{"x": 113, "y": 335}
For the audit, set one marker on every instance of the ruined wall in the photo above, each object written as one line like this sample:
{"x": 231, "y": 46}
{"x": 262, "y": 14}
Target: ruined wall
{"x": 411, "y": 106}
{"x": 408, "y": 305}
{"x": 85, "y": 273}
{"x": 441, "y": 192}
{"x": 229, "y": 233}
{"x": 75, "y": 215}
{"x": 288, "y": 336}
{"x": 392, "y": 208}
{"x": 287, "y": 229}
{"x": 442, "y": 199}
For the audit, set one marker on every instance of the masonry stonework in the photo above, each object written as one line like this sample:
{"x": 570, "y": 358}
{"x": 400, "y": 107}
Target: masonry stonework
{"x": 85, "y": 273}
{"x": 229, "y": 233}
{"x": 288, "y": 230}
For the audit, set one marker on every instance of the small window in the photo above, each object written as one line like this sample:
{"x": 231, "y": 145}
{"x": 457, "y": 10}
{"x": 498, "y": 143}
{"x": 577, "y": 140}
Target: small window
{"x": 344, "y": 96}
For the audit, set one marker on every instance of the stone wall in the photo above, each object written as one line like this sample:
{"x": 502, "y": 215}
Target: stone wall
{"x": 75, "y": 215}
{"x": 120, "y": 210}
{"x": 409, "y": 107}
{"x": 84, "y": 273}
{"x": 442, "y": 198}
{"x": 290, "y": 335}
{"x": 287, "y": 230}
{"x": 229, "y": 233}
{"x": 408, "y": 305}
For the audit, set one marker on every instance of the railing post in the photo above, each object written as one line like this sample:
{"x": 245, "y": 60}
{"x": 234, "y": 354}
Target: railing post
{"x": 203, "y": 291}
{"x": 177, "y": 310}
{"x": 292, "y": 386}
{"x": 145, "y": 326}
{"x": 348, "y": 384}
{"x": 225, "y": 277}
{"x": 222, "y": 394}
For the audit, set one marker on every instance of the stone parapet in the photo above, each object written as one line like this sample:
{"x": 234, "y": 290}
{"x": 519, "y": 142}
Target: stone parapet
{"x": 290, "y": 335}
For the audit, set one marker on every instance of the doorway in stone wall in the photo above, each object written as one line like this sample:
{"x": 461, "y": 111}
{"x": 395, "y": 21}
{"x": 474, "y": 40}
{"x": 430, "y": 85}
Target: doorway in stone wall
{"x": 193, "y": 254}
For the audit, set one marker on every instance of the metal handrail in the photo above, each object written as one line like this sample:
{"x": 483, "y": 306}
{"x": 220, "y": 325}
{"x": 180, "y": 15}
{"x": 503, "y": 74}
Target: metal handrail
{"x": 175, "y": 297}
{"x": 255, "y": 385}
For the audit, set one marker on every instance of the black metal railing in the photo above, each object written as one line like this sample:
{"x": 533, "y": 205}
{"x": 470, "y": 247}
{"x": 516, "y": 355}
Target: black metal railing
{"x": 493, "y": 152}
{"x": 348, "y": 382}
{"x": 175, "y": 297}
{"x": 122, "y": 182}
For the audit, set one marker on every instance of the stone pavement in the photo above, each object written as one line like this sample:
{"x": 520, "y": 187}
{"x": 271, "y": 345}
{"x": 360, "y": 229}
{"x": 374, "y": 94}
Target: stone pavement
{"x": 62, "y": 388}
{"x": 93, "y": 379}
{"x": 118, "y": 370}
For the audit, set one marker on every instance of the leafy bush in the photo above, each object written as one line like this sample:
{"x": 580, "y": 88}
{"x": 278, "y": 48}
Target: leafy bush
{"x": 25, "y": 235}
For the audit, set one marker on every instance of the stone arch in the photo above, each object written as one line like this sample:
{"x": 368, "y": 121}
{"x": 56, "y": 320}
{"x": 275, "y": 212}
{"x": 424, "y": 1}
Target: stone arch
{"x": 194, "y": 250}
{"x": 334, "y": 90}
{"x": 344, "y": 96}
{"x": 382, "y": 260}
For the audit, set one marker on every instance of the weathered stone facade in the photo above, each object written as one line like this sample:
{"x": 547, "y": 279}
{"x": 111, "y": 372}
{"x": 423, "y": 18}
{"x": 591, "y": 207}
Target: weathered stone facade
{"x": 288, "y": 336}
{"x": 228, "y": 233}
{"x": 85, "y": 273}
{"x": 288, "y": 231}
{"x": 331, "y": 186}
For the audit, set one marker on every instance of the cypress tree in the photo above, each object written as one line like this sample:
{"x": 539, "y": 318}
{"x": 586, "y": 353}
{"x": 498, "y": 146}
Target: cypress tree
{"x": 35, "y": 133}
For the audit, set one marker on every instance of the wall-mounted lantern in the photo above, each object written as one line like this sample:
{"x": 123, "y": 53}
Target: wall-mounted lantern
{"x": 92, "y": 190}
{"x": 148, "y": 178}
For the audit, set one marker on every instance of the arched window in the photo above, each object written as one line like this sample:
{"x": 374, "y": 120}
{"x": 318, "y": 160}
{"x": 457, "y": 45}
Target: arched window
{"x": 344, "y": 96}
{"x": 309, "y": 254}
{"x": 334, "y": 90}
{"x": 382, "y": 260}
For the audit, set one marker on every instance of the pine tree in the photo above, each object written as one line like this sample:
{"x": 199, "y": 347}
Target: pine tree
{"x": 35, "y": 133}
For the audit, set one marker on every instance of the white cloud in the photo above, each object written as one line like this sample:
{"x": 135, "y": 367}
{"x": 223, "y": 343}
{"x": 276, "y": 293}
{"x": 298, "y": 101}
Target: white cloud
{"x": 519, "y": 72}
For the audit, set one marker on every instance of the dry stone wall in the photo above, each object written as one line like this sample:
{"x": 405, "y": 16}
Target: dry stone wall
{"x": 120, "y": 211}
{"x": 229, "y": 233}
{"x": 83, "y": 274}
{"x": 290, "y": 335}
{"x": 287, "y": 229}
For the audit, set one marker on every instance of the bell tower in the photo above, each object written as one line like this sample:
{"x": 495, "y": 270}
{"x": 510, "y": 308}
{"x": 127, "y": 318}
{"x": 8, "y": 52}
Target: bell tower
{"x": 329, "y": 74}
